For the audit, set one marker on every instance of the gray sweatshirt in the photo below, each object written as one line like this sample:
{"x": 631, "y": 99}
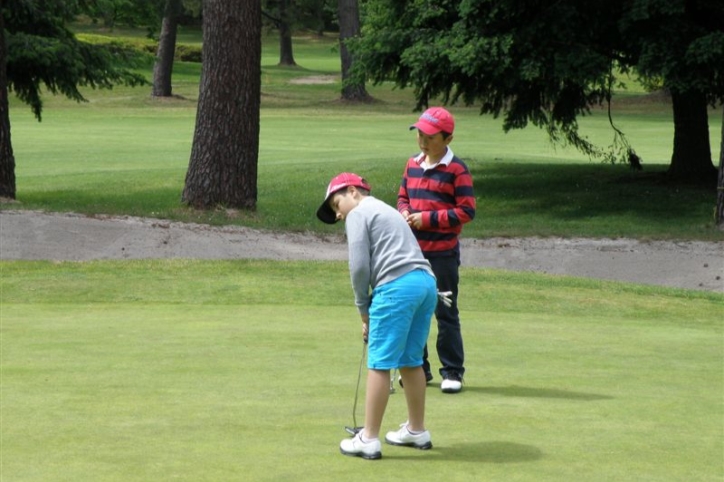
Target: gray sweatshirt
{"x": 381, "y": 248}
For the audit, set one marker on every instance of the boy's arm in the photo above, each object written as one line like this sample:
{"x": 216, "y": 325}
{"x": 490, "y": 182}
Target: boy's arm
{"x": 463, "y": 211}
{"x": 403, "y": 198}
{"x": 359, "y": 261}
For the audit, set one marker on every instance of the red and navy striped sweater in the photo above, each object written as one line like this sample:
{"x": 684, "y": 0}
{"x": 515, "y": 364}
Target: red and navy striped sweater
{"x": 444, "y": 195}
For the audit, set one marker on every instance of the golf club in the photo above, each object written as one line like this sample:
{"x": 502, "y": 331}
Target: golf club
{"x": 355, "y": 429}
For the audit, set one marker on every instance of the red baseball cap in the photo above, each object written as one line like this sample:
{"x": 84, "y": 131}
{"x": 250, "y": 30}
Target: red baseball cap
{"x": 434, "y": 120}
{"x": 325, "y": 213}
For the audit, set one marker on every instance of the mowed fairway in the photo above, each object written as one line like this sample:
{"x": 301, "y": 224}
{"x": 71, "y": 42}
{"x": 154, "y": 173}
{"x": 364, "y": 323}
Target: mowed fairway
{"x": 189, "y": 370}
{"x": 181, "y": 370}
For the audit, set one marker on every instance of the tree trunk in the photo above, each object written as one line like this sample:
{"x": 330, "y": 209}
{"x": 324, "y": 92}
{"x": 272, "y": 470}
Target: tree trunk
{"x": 286, "y": 54}
{"x": 720, "y": 183}
{"x": 163, "y": 68}
{"x": 7, "y": 159}
{"x": 691, "y": 160}
{"x": 223, "y": 165}
{"x": 349, "y": 27}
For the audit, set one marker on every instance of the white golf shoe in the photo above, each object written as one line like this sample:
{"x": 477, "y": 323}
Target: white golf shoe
{"x": 404, "y": 438}
{"x": 370, "y": 450}
{"x": 452, "y": 383}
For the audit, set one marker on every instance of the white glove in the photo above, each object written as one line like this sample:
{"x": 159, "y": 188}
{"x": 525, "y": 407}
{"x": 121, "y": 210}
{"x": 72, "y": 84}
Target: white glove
{"x": 445, "y": 297}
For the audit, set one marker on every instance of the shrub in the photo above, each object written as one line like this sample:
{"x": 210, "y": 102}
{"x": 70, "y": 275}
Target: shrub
{"x": 140, "y": 49}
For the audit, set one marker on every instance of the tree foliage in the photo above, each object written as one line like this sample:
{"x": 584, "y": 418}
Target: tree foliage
{"x": 545, "y": 62}
{"x": 353, "y": 87}
{"x": 315, "y": 15}
{"x": 144, "y": 13}
{"x": 43, "y": 52}
{"x": 282, "y": 14}
{"x": 286, "y": 16}
{"x": 39, "y": 51}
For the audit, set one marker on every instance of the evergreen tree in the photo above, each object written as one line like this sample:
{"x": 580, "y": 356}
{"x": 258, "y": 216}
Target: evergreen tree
{"x": 548, "y": 62}
{"x": 38, "y": 50}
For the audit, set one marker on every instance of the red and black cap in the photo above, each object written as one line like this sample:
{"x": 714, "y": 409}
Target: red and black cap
{"x": 325, "y": 213}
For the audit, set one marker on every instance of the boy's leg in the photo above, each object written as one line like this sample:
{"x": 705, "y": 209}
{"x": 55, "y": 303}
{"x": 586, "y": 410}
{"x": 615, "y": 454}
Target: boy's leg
{"x": 378, "y": 392}
{"x": 415, "y": 387}
{"x": 426, "y": 364}
{"x": 413, "y": 433}
{"x": 449, "y": 336}
{"x": 390, "y": 319}
{"x": 413, "y": 375}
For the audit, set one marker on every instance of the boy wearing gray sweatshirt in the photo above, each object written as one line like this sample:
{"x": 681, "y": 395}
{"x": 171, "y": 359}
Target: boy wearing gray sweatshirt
{"x": 395, "y": 293}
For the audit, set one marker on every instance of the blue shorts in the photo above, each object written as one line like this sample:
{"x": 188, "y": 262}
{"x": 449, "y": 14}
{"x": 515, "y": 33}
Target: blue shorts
{"x": 400, "y": 316}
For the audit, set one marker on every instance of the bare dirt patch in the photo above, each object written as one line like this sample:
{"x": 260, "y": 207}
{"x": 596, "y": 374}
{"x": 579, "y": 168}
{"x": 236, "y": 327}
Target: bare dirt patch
{"x": 315, "y": 79}
{"x": 33, "y": 235}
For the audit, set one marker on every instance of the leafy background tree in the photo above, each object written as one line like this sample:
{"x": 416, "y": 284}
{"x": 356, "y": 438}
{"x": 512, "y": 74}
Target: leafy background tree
{"x": 7, "y": 158}
{"x": 163, "y": 67}
{"x": 281, "y": 14}
{"x": 125, "y": 12}
{"x": 40, "y": 51}
{"x": 545, "y": 63}
{"x": 289, "y": 16}
{"x": 549, "y": 62}
{"x": 353, "y": 88}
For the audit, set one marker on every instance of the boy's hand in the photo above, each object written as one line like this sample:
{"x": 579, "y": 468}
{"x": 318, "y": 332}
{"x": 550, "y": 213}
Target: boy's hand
{"x": 414, "y": 220}
{"x": 365, "y": 327}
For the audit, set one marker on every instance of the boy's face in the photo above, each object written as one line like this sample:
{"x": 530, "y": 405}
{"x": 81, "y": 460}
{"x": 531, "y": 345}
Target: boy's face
{"x": 434, "y": 147}
{"x": 342, "y": 203}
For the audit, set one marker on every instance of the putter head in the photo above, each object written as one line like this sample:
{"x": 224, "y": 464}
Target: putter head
{"x": 353, "y": 430}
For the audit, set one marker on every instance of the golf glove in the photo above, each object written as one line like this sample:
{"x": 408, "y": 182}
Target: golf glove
{"x": 445, "y": 297}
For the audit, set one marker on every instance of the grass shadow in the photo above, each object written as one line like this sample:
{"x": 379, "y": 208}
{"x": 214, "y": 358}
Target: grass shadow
{"x": 496, "y": 452}
{"x": 550, "y": 196}
{"x": 529, "y": 392}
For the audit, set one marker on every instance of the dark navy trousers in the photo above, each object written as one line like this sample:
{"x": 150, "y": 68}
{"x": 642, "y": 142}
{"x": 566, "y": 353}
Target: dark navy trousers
{"x": 449, "y": 336}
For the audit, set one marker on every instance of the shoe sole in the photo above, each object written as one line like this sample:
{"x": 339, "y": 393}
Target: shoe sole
{"x": 425, "y": 446}
{"x": 452, "y": 390}
{"x": 374, "y": 456}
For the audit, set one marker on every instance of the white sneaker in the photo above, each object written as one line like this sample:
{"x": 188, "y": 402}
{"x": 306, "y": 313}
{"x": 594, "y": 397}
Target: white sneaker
{"x": 404, "y": 438}
{"x": 355, "y": 447}
{"x": 451, "y": 384}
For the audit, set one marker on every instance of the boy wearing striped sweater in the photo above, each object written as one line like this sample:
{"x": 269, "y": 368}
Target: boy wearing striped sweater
{"x": 436, "y": 198}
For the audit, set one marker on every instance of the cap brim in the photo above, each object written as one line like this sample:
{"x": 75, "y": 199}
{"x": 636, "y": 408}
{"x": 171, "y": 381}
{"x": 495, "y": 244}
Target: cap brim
{"x": 426, "y": 128}
{"x": 326, "y": 214}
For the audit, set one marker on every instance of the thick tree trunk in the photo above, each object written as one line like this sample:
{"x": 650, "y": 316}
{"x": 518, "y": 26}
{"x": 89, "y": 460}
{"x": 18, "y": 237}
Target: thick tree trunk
{"x": 691, "y": 160}
{"x": 223, "y": 165}
{"x": 349, "y": 27}
{"x": 7, "y": 159}
{"x": 286, "y": 53}
{"x": 163, "y": 68}
{"x": 720, "y": 183}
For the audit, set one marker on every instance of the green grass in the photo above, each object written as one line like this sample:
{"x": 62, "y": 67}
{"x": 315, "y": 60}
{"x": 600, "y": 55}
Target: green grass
{"x": 126, "y": 153}
{"x": 246, "y": 370}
